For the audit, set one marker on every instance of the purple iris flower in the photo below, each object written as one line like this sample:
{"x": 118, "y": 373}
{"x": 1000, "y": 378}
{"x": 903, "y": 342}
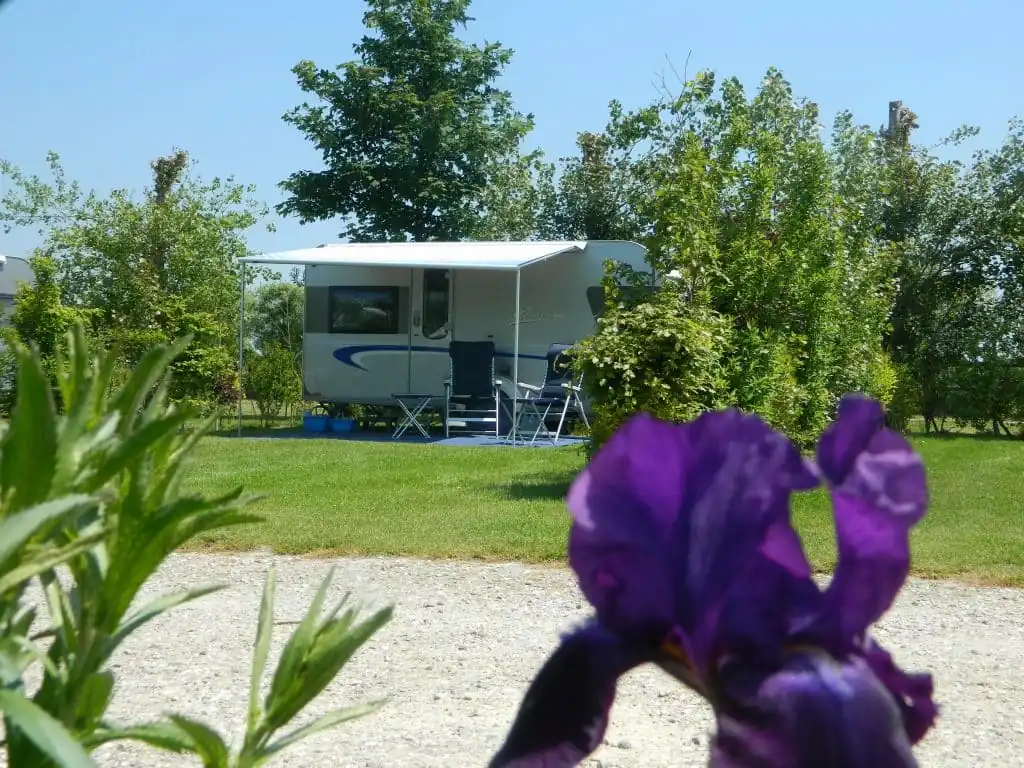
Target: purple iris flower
{"x": 682, "y": 542}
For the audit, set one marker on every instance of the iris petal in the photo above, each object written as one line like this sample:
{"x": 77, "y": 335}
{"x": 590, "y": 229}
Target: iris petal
{"x": 913, "y": 692}
{"x": 564, "y": 714}
{"x": 813, "y": 712}
{"x": 671, "y": 520}
{"x": 682, "y": 541}
{"x": 879, "y": 492}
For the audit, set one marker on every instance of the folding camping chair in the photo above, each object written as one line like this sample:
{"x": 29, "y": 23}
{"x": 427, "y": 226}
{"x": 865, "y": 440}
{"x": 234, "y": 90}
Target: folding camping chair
{"x": 472, "y": 394}
{"x": 558, "y": 395}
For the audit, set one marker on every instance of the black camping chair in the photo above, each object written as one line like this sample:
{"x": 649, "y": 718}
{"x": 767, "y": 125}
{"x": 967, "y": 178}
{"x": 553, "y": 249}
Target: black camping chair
{"x": 472, "y": 395}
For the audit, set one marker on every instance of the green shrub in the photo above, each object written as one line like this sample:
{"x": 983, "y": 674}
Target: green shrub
{"x": 904, "y": 401}
{"x": 763, "y": 375}
{"x": 271, "y": 382}
{"x": 986, "y": 394}
{"x": 204, "y": 370}
{"x": 659, "y": 354}
{"x": 95, "y": 491}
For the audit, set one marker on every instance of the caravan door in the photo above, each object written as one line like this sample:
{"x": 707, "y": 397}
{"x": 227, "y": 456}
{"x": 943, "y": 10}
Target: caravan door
{"x": 431, "y": 330}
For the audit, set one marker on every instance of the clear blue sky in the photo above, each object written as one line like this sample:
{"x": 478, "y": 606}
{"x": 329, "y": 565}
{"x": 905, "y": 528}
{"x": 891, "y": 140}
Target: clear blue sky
{"x": 112, "y": 84}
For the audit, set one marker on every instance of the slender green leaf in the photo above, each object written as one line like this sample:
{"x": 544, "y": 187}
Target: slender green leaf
{"x": 135, "y": 446}
{"x": 48, "y": 559}
{"x": 72, "y": 367}
{"x": 134, "y": 566}
{"x": 30, "y": 453}
{"x": 153, "y": 609}
{"x": 102, "y": 371}
{"x": 158, "y": 405}
{"x": 79, "y": 452}
{"x": 207, "y": 743}
{"x": 322, "y": 723}
{"x": 42, "y": 730}
{"x": 58, "y": 603}
{"x": 18, "y": 528}
{"x": 32, "y": 653}
{"x": 94, "y": 699}
{"x": 144, "y": 377}
{"x": 295, "y": 650}
{"x": 261, "y": 650}
{"x": 166, "y": 736}
{"x": 330, "y": 650}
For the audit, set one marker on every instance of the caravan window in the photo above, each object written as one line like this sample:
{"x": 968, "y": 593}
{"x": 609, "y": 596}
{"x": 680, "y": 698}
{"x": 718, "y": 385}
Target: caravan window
{"x": 435, "y": 303}
{"x": 595, "y": 297}
{"x": 364, "y": 309}
{"x": 629, "y": 294}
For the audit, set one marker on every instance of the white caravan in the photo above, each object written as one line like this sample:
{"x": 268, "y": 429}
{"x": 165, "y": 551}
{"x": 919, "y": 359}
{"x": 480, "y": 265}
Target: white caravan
{"x": 14, "y": 270}
{"x": 380, "y": 316}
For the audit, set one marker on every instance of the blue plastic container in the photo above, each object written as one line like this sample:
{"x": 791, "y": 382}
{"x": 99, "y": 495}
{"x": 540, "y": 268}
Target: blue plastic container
{"x": 342, "y": 425}
{"x": 313, "y": 423}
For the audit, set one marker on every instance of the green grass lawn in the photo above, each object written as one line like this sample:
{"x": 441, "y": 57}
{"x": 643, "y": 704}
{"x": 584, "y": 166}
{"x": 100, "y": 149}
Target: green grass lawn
{"x": 327, "y": 497}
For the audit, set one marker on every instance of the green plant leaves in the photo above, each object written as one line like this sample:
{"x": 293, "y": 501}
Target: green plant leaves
{"x": 30, "y": 443}
{"x": 206, "y": 743}
{"x": 314, "y": 655}
{"x": 97, "y": 689}
{"x": 18, "y": 528}
{"x": 331, "y": 719}
{"x": 261, "y": 650}
{"x": 166, "y": 736}
{"x": 316, "y": 652}
{"x": 96, "y": 489}
{"x": 49, "y": 736}
{"x": 153, "y": 609}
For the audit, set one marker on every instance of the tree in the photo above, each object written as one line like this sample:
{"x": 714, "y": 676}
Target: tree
{"x": 763, "y": 237}
{"x": 271, "y": 381}
{"x": 592, "y": 197}
{"x": 983, "y": 380}
{"x": 275, "y": 318}
{"x": 412, "y": 133}
{"x": 150, "y": 269}
{"x": 40, "y": 317}
{"x": 515, "y": 202}
{"x": 955, "y": 231}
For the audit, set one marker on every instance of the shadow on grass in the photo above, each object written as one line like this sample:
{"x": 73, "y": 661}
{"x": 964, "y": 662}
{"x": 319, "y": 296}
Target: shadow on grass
{"x": 253, "y": 430}
{"x": 981, "y": 437}
{"x": 541, "y": 486}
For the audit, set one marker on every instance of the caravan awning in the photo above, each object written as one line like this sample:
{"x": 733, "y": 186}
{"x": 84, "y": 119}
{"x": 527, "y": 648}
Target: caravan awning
{"x": 499, "y": 255}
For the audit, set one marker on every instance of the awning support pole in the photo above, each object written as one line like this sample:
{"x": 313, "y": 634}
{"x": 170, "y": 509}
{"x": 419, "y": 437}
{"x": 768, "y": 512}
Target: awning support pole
{"x": 515, "y": 359}
{"x": 241, "y": 343}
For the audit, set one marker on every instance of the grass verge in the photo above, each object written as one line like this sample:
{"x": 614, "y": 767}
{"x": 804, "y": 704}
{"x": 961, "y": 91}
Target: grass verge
{"x": 330, "y": 497}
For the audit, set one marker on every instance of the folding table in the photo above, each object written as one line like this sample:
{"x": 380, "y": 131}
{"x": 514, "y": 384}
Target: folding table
{"x": 413, "y": 405}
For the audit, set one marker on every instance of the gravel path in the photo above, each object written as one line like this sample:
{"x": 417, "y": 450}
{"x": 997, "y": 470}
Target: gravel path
{"x": 467, "y": 638}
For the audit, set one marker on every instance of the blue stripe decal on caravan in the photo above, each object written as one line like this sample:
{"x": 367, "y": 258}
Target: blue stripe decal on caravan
{"x": 347, "y": 355}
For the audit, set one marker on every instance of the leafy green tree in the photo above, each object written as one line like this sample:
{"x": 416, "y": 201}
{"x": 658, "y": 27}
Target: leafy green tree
{"x": 152, "y": 269}
{"x": 40, "y": 316}
{"x": 515, "y": 202}
{"x": 955, "y": 231}
{"x": 275, "y": 318}
{"x": 763, "y": 236}
{"x": 412, "y": 133}
{"x": 591, "y": 199}
{"x": 95, "y": 492}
